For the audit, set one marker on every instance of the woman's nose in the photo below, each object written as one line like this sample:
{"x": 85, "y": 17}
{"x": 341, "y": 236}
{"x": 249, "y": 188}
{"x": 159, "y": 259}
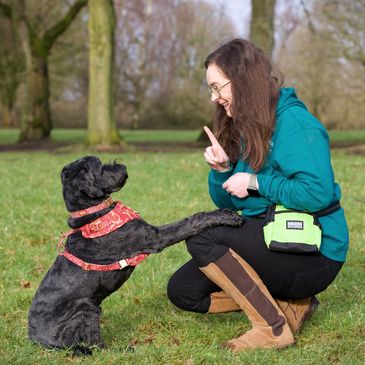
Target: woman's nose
{"x": 214, "y": 97}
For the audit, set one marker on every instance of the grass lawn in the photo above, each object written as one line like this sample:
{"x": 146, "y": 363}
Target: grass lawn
{"x": 163, "y": 187}
{"x": 9, "y": 136}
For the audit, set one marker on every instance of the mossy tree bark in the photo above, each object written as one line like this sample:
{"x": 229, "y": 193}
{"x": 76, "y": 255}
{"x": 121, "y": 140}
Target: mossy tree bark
{"x": 11, "y": 66}
{"x": 102, "y": 130}
{"x": 262, "y": 25}
{"x": 36, "y": 120}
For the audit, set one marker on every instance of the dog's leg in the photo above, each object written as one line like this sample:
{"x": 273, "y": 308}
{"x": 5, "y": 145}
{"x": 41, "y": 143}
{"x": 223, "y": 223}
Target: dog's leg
{"x": 81, "y": 325}
{"x": 156, "y": 239}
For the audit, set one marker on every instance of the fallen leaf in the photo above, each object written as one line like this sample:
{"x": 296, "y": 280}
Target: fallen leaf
{"x": 175, "y": 341}
{"x": 149, "y": 339}
{"x": 133, "y": 342}
{"x": 25, "y": 284}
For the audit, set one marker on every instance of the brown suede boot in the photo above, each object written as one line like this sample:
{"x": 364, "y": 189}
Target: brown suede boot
{"x": 298, "y": 311}
{"x": 238, "y": 279}
{"x": 220, "y": 302}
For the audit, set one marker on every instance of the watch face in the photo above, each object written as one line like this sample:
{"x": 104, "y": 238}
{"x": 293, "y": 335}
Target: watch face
{"x": 253, "y": 192}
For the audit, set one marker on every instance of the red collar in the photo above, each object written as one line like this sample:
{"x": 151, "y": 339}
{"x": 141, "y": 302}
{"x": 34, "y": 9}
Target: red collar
{"x": 101, "y": 227}
{"x": 80, "y": 213}
{"x": 109, "y": 222}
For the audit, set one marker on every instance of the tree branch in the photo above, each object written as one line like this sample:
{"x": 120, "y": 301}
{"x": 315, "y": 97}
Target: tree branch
{"x": 309, "y": 19}
{"x": 57, "y": 29}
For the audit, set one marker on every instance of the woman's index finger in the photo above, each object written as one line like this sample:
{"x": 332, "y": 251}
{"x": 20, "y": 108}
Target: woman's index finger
{"x": 211, "y": 136}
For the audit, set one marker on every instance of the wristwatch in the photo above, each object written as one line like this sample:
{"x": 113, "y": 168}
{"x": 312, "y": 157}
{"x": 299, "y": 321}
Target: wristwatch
{"x": 252, "y": 186}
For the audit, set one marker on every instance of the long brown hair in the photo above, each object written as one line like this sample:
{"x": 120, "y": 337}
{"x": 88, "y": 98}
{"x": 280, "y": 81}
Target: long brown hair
{"x": 255, "y": 91}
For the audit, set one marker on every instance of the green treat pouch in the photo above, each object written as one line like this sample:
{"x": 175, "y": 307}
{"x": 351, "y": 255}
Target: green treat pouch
{"x": 292, "y": 231}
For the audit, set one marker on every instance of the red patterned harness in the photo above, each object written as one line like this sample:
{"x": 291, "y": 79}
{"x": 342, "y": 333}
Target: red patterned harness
{"x": 102, "y": 226}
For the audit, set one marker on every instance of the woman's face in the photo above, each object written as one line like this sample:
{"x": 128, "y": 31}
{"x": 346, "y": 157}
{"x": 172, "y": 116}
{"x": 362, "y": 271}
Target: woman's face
{"x": 219, "y": 87}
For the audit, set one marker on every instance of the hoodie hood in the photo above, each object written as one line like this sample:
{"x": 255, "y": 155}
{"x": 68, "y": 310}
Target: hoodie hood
{"x": 287, "y": 99}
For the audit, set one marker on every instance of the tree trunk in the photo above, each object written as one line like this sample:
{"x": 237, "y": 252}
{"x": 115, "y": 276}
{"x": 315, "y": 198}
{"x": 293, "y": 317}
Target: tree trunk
{"x": 37, "y": 123}
{"x": 102, "y": 130}
{"x": 8, "y": 116}
{"x": 10, "y": 82}
{"x": 11, "y": 66}
{"x": 262, "y": 25}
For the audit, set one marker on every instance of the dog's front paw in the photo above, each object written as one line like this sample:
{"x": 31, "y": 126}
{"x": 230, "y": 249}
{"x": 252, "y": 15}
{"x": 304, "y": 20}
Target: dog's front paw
{"x": 231, "y": 218}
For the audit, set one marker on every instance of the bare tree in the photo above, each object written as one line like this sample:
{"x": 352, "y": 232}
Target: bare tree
{"x": 323, "y": 60}
{"x": 287, "y": 19}
{"x": 161, "y": 47}
{"x": 345, "y": 25}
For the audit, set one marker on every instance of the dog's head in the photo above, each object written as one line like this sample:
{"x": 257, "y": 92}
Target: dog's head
{"x": 87, "y": 182}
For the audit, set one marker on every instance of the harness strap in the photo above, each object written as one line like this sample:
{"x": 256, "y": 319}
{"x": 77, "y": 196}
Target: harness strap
{"x": 102, "y": 226}
{"x": 109, "y": 222}
{"x": 119, "y": 265}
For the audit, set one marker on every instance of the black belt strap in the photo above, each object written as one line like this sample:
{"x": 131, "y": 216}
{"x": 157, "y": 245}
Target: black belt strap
{"x": 330, "y": 209}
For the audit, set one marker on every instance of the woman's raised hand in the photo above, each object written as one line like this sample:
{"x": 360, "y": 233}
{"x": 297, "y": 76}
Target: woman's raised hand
{"x": 215, "y": 155}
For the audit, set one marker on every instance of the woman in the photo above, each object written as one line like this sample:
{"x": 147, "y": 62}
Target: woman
{"x": 269, "y": 150}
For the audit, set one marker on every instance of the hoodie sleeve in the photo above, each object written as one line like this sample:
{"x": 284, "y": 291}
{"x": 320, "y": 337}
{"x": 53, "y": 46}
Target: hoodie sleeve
{"x": 220, "y": 196}
{"x": 303, "y": 177}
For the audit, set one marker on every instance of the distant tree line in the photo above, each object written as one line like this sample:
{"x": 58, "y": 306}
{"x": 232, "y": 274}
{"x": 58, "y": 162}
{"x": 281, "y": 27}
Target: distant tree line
{"x": 103, "y": 65}
{"x": 322, "y": 54}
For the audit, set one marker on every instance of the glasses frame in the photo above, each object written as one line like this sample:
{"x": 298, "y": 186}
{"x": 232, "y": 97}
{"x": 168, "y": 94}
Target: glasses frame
{"x": 217, "y": 89}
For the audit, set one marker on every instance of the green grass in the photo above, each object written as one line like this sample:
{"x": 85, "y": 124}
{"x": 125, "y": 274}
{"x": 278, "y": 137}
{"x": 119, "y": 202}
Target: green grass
{"x": 8, "y": 136}
{"x": 355, "y": 135}
{"x": 163, "y": 188}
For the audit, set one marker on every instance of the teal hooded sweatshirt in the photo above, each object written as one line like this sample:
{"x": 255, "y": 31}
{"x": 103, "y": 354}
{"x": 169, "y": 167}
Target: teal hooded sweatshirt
{"x": 297, "y": 174}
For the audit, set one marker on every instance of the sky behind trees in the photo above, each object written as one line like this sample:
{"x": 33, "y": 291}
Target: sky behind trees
{"x": 239, "y": 11}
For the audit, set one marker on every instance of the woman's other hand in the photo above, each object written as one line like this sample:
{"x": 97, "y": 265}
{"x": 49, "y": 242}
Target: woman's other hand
{"x": 237, "y": 184}
{"x": 215, "y": 155}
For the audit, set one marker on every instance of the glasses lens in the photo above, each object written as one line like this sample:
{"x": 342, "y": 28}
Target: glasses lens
{"x": 214, "y": 90}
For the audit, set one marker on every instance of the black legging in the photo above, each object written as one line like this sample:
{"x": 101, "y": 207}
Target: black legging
{"x": 287, "y": 276}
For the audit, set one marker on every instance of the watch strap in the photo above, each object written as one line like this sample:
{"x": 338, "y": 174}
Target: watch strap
{"x": 252, "y": 183}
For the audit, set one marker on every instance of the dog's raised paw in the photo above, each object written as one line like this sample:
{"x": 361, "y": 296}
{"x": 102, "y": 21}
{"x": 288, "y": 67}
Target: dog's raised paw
{"x": 232, "y": 218}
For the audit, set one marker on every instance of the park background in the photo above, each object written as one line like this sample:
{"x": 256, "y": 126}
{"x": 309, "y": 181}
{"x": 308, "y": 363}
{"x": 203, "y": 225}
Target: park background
{"x": 124, "y": 80}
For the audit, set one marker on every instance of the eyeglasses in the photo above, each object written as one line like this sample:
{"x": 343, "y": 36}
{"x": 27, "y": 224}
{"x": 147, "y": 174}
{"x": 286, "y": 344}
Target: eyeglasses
{"x": 216, "y": 89}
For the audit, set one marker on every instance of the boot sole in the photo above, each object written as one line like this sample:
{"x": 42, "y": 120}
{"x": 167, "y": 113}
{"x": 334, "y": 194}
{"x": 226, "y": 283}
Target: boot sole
{"x": 227, "y": 346}
{"x": 312, "y": 308}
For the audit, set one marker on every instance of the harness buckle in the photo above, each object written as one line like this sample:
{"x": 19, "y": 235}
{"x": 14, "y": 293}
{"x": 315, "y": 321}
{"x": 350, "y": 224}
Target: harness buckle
{"x": 123, "y": 263}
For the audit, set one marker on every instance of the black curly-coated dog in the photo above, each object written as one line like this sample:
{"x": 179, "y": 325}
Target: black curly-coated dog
{"x": 65, "y": 311}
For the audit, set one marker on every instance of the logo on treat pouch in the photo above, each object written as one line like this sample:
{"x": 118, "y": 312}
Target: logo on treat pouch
{"x": 295, "y": 225}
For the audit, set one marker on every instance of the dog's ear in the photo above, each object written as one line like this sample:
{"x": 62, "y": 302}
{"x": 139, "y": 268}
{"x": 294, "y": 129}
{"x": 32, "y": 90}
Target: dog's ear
{"x": 113, "y": 178}
{"x": 86, "y": 182}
